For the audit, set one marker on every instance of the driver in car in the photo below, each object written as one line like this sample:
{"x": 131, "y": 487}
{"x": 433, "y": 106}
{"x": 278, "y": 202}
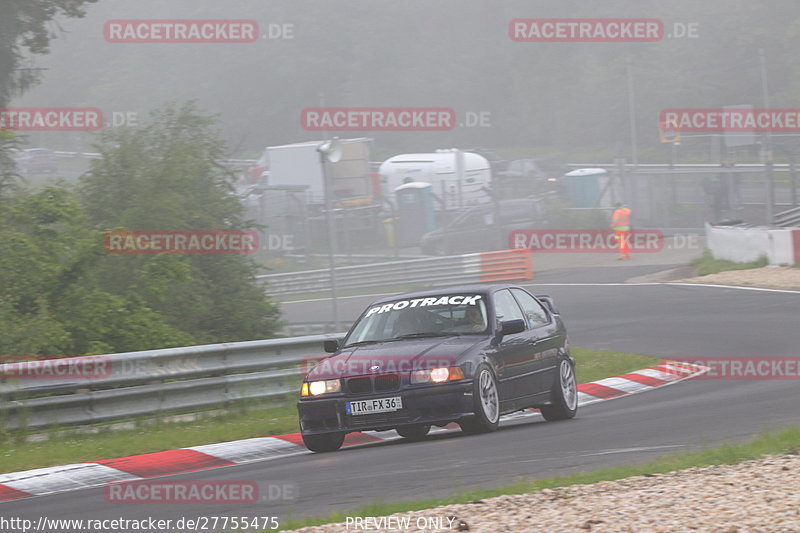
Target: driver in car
{"x": 408, "y": 322}
{"x": 474, "y": 318}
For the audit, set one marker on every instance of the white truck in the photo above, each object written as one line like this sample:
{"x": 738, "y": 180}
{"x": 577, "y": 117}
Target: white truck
{"x": 455, "y": 187}
{"x": 299, "y": 164}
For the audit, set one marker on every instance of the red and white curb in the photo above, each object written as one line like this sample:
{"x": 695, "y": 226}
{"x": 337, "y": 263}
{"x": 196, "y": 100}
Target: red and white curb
{"x": 66, "y": 478}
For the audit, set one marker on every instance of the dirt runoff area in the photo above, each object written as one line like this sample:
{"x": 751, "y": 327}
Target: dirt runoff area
{"x": 769, "y": 277}
{"x": 756, "y": 496}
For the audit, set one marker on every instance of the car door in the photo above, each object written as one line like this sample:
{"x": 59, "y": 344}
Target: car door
{"x": 515, "y": 352}
{"x": 544, "y": 339}
{"x": 468, "y": 232}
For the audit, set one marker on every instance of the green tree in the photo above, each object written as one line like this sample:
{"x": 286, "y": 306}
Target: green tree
{"x": 48, "y": 302}
{"x": 26, "y": 28}
{"x": 9, "y": 176}
{"x": 164, "y": 176}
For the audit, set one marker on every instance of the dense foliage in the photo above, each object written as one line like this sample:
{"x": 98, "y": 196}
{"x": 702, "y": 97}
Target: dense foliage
{"x": 61, "y": 293}
{"x": 26, "y": 27}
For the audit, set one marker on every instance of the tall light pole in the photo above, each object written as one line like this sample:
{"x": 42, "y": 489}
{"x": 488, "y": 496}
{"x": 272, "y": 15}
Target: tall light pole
{"x": 766, "y": 145}
{"x": 632, "y": 114}
{"x": 330, "y": 152}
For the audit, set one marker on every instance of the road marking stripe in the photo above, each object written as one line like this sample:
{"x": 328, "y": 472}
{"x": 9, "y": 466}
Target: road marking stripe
{"x": 675, "y": 372}
{"x": 644, "y": 379}
{"x": 600, "y": 391}
{"x": 625, "y": 385}
{"x": 666, "y": 283}
{"x": 167, "y": 462}
{"x": 653, "y": 372}
{"x": 64, "y": 478}
{"x": 9, "y": 493}
{"x": 246, "y": 450}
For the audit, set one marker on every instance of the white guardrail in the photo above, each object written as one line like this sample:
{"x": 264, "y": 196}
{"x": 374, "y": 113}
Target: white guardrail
{"x": 503, "y": 265}
{"x": 101, "y": 388}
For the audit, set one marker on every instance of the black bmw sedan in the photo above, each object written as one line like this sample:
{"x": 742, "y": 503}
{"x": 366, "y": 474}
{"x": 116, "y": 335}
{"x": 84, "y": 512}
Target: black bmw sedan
{"x": 466, "y": 354}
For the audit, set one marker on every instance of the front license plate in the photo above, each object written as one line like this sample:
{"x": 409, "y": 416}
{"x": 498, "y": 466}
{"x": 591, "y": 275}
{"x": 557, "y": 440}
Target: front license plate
{"x": 378, "y": 405}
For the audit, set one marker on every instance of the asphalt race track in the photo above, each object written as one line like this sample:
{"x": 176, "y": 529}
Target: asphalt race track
{"x": 661, "y": 320}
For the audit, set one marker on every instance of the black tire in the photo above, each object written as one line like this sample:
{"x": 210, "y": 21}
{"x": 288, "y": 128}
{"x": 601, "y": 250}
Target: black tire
{"x": 486, "y": 402}
{"x": 565, "y": 394}
{"x": 415, "y": 432}
{"x": 325, "y": 442}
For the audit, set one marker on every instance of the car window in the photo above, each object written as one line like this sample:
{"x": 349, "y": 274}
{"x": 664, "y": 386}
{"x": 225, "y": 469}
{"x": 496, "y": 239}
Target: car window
{"x": 534, "y": 312}
{"x": 506, "y": 307}
{"x": 445, "y": 314}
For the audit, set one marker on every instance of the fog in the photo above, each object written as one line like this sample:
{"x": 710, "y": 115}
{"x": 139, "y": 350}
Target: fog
{"x": 570, "y": 99}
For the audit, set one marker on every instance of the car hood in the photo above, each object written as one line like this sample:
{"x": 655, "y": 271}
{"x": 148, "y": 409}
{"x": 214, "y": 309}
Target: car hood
{"x": 402, "y": 356}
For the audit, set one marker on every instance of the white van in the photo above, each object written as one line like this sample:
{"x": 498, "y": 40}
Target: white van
{"x": 439, "y": 169}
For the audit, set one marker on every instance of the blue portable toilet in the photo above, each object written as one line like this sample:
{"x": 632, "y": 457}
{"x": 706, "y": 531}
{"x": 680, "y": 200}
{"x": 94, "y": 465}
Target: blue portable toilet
{"x": 415, "y": 214}
{"x": 583, "y": 186}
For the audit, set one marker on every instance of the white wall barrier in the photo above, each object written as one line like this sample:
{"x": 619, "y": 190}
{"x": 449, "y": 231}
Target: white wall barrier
{"x": 744, "y": 244}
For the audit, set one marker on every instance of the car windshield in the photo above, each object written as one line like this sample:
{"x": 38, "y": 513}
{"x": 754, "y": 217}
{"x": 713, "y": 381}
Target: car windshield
{"x": 432, "y": 316}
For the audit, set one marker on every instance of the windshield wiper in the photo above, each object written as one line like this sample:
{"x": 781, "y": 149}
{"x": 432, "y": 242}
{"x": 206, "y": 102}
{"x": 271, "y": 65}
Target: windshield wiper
{"x": 364, "y": 343}
{"x": 427, "y": 334}
{"x": 360, "y": 343}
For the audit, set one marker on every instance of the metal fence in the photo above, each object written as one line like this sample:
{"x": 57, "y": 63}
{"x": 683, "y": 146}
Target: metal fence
{"x": 677, "y": 196}
{"x": 789, "y": 218}
{"x": 504, "y": 265}
{"x": 83, "y": 390}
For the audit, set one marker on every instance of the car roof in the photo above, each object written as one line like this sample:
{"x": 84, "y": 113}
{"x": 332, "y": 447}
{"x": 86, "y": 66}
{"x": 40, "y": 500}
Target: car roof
{"x": 474, "y": 287}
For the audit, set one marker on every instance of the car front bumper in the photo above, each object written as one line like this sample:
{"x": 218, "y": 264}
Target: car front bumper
{"x": 428, "y": 405}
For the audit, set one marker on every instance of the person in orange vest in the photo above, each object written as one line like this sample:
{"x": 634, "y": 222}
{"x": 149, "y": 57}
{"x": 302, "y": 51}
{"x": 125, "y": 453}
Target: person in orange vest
{"x": 621, "y": 224}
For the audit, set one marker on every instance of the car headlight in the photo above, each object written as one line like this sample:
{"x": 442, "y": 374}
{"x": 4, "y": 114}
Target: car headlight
{"x": 315, "y": 388}
{"x": 437, "y": 375}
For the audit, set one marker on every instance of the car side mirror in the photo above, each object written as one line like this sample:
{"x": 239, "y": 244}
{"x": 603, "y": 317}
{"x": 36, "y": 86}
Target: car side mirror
{"x": 330, "y": 345}
{"x": 549, "y": 302}
{"x": 509, "y": 327}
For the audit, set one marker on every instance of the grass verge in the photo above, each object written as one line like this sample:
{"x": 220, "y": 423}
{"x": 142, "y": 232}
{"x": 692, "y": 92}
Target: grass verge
{"x": 17, "y": 454}
{"x": 592, "y": 365}
{"x": 785, "y": 441}
{"x": 709, "y": 265}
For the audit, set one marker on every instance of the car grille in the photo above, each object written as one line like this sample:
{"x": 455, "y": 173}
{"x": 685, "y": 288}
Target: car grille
{"x": 379, "y": 383}
{"x": 387, "y": 382}
{"x": 359, "y": 385}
